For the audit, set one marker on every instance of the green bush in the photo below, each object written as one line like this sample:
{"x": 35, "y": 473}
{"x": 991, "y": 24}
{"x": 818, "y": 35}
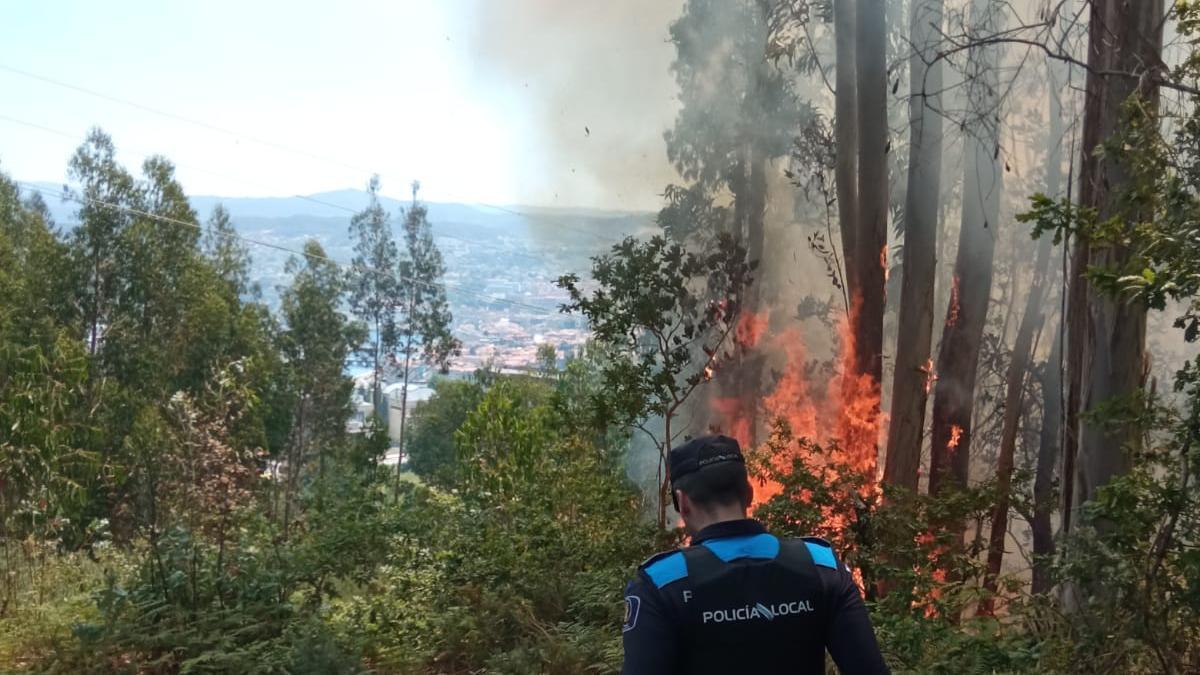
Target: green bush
{"x": 517, "y": 570}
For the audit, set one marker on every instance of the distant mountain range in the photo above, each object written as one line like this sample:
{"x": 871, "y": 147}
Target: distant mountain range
{"x": 495, "y": 255}
{"x": 319, "y": 212}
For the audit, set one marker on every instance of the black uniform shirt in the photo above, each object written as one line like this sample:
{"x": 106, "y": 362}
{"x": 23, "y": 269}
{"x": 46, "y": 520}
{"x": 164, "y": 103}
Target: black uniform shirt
{"x": 741, "y": 600}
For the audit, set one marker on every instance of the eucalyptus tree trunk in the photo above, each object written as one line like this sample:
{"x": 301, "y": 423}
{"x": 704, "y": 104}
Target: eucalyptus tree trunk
{"x": 913, "y": 378}
{"x": 958, "y": 355}
{"x": 1125, "y": 44}
{"x": 1018, "y": 366}
{"x": 846, "y": 132}
{"x": 870, "y": 259}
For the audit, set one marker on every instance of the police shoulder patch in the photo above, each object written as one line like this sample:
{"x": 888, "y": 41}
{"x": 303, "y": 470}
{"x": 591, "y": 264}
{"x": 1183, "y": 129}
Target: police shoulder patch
{"x": 665, "y": 568}
{"x": 821, "y": 551}
{"x": 633, "y": 604}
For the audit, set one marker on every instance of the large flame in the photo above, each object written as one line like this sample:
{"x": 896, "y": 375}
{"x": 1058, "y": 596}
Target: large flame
{"x": 840, "y": 413}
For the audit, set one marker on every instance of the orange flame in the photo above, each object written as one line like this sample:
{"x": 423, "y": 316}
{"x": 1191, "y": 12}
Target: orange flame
{"x": 956, "y": 433}
{"x": 952, "y": 316}
{"x": 750, "y": 329}
{"x": 883, "y": 261}
{"x": 843, "y": 408}
{"x": 930, "y": 375}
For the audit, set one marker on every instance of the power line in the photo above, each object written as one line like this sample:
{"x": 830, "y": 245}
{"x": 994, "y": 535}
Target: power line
{"x": 180, "y": 118}
{"x": 306, "y": 198}
{"x": 260, "y": 141}
{"x": 200, "y": 228}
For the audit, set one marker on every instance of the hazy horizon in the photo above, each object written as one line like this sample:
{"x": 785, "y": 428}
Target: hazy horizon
{"x": 530, "y": 103}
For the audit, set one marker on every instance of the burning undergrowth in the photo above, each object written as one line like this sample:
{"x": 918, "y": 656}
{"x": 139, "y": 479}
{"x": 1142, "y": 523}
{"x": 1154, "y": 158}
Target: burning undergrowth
{"x": 817, "y": 411}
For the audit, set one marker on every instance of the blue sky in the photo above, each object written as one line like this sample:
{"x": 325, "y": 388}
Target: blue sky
{"x": 482, "y": 100}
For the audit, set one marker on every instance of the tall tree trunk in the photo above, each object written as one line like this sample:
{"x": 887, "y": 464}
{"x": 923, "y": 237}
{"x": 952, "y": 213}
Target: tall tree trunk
{"x": 664, "y": 480}
{"x": 403, "y": 419}
{"x": 871, "y": 239}
{"x": 846, "y": 131}
{"x": 1043, "y": 477}
{"x": 958, "y": 355}
{"x": 376, "y": 387}
{"x": 1018, "y": 365}
{"x": 1051, "y": 384}
{"x": 914, "y": 370}
{"x": 1125, "y": 37}
{"x": 751, "y": 367}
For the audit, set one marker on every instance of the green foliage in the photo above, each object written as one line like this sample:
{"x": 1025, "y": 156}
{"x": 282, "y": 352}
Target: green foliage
{"x": 373, "y": 281}
{"x": 656, "y": 306}
{"x": 515, "y": 570}
{"x": 663, "y": 315}
{"x": 431, "y": 450}
{"x": 424, "y": 320}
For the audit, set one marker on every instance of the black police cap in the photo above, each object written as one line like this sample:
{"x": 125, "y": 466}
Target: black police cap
{"x": 702, "y": 452}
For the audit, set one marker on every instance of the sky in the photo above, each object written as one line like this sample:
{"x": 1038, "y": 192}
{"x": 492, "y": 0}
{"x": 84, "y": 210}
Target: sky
{"x": 531, "y": 102}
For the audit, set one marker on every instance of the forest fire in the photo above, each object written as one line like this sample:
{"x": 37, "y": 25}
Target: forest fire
{"x": 930, "y": 375}
{"x": 956, "y": 433}
{"x": 826, "y": 404}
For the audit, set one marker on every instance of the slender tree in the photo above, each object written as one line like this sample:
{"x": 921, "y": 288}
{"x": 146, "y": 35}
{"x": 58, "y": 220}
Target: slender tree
{"x": 228, "y": 254}
{"x": 424, "y": 318}
{"x": 1032, "y": 320}
{"x": 374, "y": 285}
{"x": 104, "y": 187}
{"x": 846, "y": 133}
{"x": 958, "y": 355}
{"x": 665, "y": 316}
{"x": 315, "y": 341}
{"x": 870, "y": 257}
{"x": 913, "y": 379}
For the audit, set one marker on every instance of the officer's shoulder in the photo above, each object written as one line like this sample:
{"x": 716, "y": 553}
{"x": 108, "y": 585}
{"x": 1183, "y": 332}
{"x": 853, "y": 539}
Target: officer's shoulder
{"x": 821, "y": 551}
{"x": 665, "y": 568}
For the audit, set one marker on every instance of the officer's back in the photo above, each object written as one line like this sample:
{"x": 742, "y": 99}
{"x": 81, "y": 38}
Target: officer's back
{"x": 739, "y": 599}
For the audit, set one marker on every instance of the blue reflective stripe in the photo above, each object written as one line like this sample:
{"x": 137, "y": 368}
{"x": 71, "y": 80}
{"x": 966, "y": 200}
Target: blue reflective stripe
{"x": 666, "y": 570}
{"x": 821, "y": 555}
{"x": 753, "y": 546}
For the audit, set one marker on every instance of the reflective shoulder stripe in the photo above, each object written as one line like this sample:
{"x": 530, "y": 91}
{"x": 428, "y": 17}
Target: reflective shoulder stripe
{"x": 665, "y": 568}
{"x": 821, "y": 552}
{"x": 753, "y": 546}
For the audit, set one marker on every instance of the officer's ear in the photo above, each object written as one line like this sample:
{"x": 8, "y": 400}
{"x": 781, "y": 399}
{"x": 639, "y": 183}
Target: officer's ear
{"x": 682, "y": 503}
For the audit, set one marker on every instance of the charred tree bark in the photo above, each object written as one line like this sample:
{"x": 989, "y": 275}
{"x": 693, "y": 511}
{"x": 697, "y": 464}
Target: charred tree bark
{"x": 871, "y": 239}
{"x": 1125, "y": 37}
{"x": 846, "y": 131}
{"x": 914, "y": 370}
{"x": 751, "y": 370}
{"x": 958, "y": 355}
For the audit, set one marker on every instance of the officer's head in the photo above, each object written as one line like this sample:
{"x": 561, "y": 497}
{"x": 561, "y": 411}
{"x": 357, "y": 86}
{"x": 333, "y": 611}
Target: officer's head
{"x": 708, "y": 480}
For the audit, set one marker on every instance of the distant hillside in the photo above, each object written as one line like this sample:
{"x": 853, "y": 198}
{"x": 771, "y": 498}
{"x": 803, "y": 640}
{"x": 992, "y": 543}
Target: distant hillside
{"x": 321, "y": 213}
{"x": 493, "y": 254}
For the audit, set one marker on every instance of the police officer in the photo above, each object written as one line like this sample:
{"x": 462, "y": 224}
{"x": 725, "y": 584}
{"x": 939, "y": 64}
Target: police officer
{"x": 740, "y": 600}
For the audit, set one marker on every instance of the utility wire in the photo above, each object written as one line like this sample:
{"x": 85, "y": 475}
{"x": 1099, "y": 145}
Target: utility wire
{"x": 200, "y": 228}
{"x": 180, "y": 118}
{"x": 260, "y": 141}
